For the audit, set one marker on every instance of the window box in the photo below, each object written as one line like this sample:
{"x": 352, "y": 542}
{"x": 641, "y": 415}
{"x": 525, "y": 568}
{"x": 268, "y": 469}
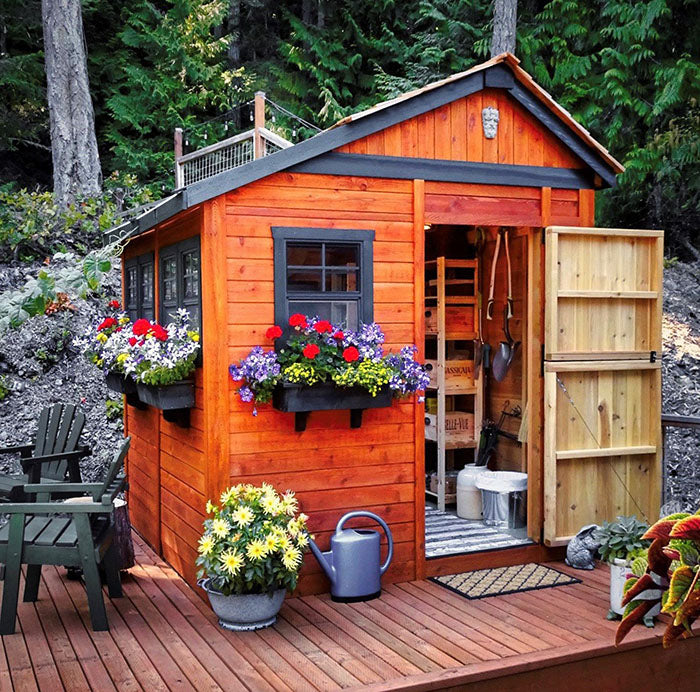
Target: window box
{"x": 124, "y": 385}
{"x": 175, "y": 400}
{"x": 301, "y": 400}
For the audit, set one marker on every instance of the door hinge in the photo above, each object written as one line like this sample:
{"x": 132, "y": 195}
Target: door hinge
{"x": 542, "y": 360}
{"x": 544, "y": 235}
{"x": 652, "y": 356}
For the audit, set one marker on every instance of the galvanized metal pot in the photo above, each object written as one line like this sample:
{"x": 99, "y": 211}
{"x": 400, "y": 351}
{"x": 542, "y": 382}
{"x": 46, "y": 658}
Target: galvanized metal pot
{"x": 244, "y": 612}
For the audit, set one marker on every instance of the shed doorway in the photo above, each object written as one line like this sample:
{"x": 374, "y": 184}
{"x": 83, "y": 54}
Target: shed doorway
{"x": 477, "y": 414}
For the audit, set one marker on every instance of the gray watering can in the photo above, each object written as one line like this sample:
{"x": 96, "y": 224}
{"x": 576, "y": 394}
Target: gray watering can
{"x": 352, "y": 563}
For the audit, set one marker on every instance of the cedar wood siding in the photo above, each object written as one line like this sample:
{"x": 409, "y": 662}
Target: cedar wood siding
{"x": 165, "y": 466}
{"x": 330, "y": 466}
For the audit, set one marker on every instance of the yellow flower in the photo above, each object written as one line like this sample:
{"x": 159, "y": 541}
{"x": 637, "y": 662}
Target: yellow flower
{"x": 123, "y": 320}
{"x": 292, "y": 527}
{"x": 194, "y": 336}
{"x": 289, "y": 503}
{"x": 102, "y": 337}
{"x": 291, "y": 558}
{"x": 270, "y": 504}
{"x": 206, "y": 544}
{"x": 303, "y": 539}
{"x": 220, "y": 528}
{"x": 256, "y": 549}
{"x": 252, "y": 493}
{"x": 232, "y": 561}
{"x": 267, "y": 489}
{"x": 271, "y": 542}
{"x": 228, "y": 495}
{"x": 283, "y": 542}
{"x": 122, "y": 357}
{"x": 210, "y": 507}
{"x": 243, "y": 516}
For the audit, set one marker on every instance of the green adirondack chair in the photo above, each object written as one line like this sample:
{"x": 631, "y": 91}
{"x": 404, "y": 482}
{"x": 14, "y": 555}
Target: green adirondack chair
{"x": 35, "y": 536}
{"x": 53, "y": 456}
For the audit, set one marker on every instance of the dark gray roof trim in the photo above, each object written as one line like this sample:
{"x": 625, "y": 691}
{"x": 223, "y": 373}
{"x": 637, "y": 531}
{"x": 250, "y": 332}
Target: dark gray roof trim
{"x": 367, "y": 166}
{"x": 325, "y": 142}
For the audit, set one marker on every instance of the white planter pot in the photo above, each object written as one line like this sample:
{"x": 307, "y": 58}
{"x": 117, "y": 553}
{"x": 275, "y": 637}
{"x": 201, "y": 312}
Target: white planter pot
{"x": 619, "y": 573}
{"x": 243, "y": 612}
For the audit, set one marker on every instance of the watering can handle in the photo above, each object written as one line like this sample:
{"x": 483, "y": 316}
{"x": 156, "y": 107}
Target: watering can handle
{"x": 382, "y": 523}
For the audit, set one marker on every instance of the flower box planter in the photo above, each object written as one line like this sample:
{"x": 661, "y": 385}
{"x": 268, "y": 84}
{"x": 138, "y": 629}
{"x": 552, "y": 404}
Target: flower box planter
{"x": 124, "y": 385}
{"x": 175, "y": 400}
{"x": 302, "y": 399}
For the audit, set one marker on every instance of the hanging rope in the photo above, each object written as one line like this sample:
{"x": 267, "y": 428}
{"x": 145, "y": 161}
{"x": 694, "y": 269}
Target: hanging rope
{"x": 284, "y": 111}
{"x": 563, "y": 388}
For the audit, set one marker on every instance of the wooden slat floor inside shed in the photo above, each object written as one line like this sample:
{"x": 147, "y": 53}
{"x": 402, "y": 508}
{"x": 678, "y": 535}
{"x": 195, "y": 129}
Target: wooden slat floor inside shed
{"x": 163, "y": 636}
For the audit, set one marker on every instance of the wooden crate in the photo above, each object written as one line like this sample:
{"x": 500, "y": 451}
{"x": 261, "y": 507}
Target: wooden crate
{"x": 458, "y": 320}
{"x": 459, "y": 374}
{"x": 459, "y": 428}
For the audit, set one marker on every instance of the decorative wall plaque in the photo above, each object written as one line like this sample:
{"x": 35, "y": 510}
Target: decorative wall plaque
{"x": 489, "y": 121}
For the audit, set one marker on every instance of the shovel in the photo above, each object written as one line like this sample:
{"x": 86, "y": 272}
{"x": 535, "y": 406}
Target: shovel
{"x": 479, "y": 344}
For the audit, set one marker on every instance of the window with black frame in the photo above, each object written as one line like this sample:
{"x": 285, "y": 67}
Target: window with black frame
{"x": 325, "y": 272}
{"x": 139, "y": 278}
{"x": 180, "y": 281}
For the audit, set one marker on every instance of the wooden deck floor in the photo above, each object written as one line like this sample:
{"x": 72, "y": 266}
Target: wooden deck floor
{"x": 416, "y": 636}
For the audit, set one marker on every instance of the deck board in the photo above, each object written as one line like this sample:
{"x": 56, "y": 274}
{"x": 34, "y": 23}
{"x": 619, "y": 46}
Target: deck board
{"x": 417, "y": 636}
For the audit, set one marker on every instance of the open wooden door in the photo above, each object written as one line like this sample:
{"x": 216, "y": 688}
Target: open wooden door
{"x": 602, "y": 446}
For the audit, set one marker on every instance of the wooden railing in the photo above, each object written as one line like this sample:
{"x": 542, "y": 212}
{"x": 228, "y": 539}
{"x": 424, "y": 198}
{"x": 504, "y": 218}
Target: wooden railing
{"x": 672, "y": 420}
{"x": 226, "y": 155}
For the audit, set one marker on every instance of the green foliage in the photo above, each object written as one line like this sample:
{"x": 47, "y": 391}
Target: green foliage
{"x": 114, "y": 409}
{"x": 33, "y": 226}
{"x": 621, "y": 539}
{"x": 170, "y": 73}
{"x": 4, "y": 387}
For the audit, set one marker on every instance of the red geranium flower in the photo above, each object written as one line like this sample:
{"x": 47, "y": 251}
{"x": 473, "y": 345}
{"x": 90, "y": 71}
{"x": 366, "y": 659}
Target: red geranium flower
{"x": 114, "y": 304}
{"x": 323, "y": 326}
{"x": 351, "y": 354}
{"x": 311, "y": 351}
{"x": 298, "y": 320}
{"x": 132, "y": 340}
{"x": 339, "y": 335}
{"x": 274, "y": 332}
{"x": 141, "y": 327}
{"x": 107, "y": 323}
{"x": 160, "y": 333}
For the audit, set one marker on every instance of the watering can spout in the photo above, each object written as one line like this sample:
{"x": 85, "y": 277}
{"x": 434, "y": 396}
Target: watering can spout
{"x": 325, "y": 560}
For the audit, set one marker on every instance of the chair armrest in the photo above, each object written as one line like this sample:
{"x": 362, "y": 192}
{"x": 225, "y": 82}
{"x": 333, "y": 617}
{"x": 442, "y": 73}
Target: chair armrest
{"x": 56, "y": 508}
{"x": 61, "y": 488}
{"x": 16, "y": 449}
{"x": 68, "y": 456}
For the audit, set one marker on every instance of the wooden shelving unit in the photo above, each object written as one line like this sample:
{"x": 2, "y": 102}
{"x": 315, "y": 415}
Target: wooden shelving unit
{"x": 453, "y": 292}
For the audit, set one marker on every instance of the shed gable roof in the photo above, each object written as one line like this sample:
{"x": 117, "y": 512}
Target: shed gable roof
{"x": 502, "y": 71}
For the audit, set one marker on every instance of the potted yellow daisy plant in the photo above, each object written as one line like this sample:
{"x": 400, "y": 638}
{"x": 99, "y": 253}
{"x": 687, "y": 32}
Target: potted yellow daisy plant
{"x": 250, "y": 553}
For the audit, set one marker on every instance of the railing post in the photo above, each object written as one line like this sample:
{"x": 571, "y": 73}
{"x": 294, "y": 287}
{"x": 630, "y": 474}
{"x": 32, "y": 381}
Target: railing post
{"x": 177, "y": 141}
{"x": 259, "y": 109}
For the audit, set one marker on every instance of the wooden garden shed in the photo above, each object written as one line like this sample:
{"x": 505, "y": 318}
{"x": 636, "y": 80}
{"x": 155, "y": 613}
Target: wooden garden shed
{"x": 414, "y": 179}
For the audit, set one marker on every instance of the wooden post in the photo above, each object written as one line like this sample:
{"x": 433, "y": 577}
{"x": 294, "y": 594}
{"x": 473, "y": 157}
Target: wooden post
{"x": 177, "y": 142}
{"x": 259, "y": 150}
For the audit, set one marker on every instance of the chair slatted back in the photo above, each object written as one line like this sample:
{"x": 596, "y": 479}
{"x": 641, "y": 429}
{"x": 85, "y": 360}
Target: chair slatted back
{"x": 111, "y": 476}
{"x": 58, "y": 430}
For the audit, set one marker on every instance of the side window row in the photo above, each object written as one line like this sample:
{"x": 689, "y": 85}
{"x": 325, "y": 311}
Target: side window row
{"x": 180, "y": 283}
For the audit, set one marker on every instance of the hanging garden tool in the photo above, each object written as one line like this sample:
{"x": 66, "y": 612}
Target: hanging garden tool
{"x": 479, "y": 347}
{"x": 507, "y": 349}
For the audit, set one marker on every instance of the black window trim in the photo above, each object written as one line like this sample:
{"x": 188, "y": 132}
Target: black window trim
{"x": 364, "y": 238}
{"x": 178, "y": 250}
{"x": 139, "y": 262}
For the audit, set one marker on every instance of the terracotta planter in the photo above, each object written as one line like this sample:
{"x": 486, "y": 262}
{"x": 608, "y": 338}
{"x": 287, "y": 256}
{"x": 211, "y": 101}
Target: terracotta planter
{"x": 243, "y": 612}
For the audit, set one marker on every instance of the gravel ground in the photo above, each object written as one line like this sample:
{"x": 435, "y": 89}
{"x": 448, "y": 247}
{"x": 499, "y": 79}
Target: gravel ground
{"x": 41, "y": 367}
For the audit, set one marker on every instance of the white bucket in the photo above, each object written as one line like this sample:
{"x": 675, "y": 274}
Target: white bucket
{"x": 468, "y": 495}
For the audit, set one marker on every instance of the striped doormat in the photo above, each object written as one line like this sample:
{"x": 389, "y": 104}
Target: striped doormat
{"x": 499, "y": 581}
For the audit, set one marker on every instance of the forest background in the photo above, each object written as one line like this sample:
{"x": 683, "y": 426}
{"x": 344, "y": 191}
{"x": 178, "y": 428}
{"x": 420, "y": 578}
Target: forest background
{"x": 627, "y": 70}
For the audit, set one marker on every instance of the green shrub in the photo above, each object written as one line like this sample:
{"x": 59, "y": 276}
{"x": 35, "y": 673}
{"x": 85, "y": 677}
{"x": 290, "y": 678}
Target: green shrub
{"x": 4, "y": 388}
{"x": 114, "y": 409}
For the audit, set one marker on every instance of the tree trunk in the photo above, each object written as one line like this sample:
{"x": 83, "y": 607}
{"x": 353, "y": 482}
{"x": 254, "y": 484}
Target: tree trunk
{"x": 234, "y": 29}
{"x": 76, "y": 161}
{"x": 505, "y": 13}
{"x": 321, "y": 17}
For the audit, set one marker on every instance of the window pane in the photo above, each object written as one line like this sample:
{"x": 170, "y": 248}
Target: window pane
{"x": 131, "y": 286}
{"x": 300, "y": 254}
{"x": 338, "y": 312}
{"x": 190, "y": 264}
{"x": 147, "y": 284}
{"x": 169, "y": 267}
{"x": 341, "y": 281}
{"x": 341, "y": 255}
{"x": 300, "y": 280}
